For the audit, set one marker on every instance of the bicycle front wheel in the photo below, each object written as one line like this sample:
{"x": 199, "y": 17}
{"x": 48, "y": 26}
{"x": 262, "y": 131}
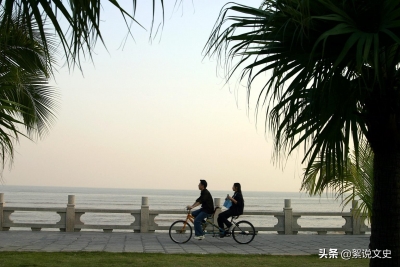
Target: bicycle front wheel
{"x": 180, "y": 232}
{"x": 244, "y": 232}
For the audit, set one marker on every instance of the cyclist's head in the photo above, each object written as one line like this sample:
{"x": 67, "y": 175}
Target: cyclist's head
{"x": 203, "y": 183}
{"x": 238, "y": 187}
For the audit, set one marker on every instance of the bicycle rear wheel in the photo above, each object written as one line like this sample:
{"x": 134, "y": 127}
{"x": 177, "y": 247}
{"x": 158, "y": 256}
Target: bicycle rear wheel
{"x": 244, "y": 232}
{"x": 180, "y": 232}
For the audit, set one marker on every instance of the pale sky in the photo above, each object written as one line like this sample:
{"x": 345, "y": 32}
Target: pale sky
{"x": 153, "y": 116}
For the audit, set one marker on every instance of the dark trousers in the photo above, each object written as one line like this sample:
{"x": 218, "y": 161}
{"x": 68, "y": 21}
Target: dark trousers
{"x": 223, "y": 218}
{"x": 199, "y": 215}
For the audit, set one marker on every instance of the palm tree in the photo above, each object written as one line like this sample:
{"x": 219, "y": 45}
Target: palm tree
{"x": 356, "y": 181}
{"x": 26, "y": 99}
{"x": 332, "y": 79}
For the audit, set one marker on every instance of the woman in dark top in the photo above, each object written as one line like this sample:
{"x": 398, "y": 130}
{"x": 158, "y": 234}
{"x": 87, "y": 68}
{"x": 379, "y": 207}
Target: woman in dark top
{"x": 235, "y": 210}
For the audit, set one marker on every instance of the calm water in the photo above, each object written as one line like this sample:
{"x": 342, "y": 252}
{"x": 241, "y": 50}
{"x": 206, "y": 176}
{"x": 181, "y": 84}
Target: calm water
{"x": 24, "y": 196}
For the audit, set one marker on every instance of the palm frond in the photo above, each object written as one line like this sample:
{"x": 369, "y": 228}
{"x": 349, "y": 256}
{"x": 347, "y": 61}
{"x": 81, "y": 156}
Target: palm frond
{"x": 83, "y": 19}
{"x": 26, "y": 99}
{"x": 355, "y": 183}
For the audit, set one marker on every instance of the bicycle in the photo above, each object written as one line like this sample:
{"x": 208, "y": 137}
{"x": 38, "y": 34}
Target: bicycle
{"x": 180, "y": 232}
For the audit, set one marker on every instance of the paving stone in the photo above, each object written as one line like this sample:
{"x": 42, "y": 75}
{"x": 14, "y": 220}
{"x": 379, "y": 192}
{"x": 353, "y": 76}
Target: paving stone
{"x": 161, "y": 243}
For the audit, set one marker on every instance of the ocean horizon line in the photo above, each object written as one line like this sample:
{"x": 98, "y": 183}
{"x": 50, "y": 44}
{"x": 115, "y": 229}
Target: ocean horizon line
{"x": 129, "y": 188}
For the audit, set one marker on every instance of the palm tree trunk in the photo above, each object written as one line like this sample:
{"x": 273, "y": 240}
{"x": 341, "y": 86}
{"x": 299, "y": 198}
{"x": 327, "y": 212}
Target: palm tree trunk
{"x": 385, "y": 221}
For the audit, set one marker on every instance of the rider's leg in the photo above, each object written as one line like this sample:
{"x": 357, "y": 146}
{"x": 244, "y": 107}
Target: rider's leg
{"x": 224, "y": 219}
{"x": 200, "y": 216}
{"x": 196, "y": 212}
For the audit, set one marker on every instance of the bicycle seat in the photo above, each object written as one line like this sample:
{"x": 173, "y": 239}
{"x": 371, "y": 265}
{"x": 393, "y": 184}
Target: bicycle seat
{"x": 210, "y": 216}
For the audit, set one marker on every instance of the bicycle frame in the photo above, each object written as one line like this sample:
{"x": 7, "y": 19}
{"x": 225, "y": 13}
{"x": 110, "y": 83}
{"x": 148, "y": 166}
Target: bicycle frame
{"x": 190, "y": 217}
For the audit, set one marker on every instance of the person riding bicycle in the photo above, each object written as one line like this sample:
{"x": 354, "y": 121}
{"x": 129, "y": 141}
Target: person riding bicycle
{"x": 235, "y": 210}
{"x": 207, "y": 208}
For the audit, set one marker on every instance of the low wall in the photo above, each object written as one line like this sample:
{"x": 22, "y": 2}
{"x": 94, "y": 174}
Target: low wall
{"x": 144, "y": 219}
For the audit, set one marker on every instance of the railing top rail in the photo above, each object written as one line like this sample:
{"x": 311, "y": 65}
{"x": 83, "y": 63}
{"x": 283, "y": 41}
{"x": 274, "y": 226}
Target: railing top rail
{"x": 322, "y": 213}
{"x": 108, "y": 210}
{"x": 33, "y": 209}
{"x": 158, "y": 211}
{"x": 255, "y": 212}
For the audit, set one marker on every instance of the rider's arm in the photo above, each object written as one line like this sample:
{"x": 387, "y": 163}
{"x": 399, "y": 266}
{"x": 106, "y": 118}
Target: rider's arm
{"x": 237, "y": 199}
{"x": 198, "y": 201}
{"x": 194, "y": 205}
{"x": 232, "y": 199}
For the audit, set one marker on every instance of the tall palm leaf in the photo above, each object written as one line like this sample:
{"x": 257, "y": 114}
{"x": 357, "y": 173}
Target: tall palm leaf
{"x": 334, "y": 79}
{"x": 26, "y": 99}
{"x": 356, "y": 183}
{"x": 363, "y": 183}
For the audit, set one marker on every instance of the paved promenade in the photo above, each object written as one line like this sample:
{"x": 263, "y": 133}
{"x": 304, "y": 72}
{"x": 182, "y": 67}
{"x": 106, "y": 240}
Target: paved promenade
{"x": 274, "y": 244}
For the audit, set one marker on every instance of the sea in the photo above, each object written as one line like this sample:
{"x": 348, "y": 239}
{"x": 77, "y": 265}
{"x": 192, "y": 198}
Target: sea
{"x": 123, "y": 198}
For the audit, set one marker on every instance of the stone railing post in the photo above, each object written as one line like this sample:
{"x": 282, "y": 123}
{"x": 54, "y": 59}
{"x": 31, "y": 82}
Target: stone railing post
{"x": 70, "y": 214}
{"x": 1, "y": 210}
{"x": 288, "y": 217}
{"x": 356, "y": 218}
{"x": 144, "y": 215}
{"x": 217, "y": 205}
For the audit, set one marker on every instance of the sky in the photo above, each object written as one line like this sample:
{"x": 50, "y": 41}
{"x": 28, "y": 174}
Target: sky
{"x": 154, "y": 115}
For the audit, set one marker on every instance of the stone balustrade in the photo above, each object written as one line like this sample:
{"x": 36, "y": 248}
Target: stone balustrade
{"x": 144, "y": 218}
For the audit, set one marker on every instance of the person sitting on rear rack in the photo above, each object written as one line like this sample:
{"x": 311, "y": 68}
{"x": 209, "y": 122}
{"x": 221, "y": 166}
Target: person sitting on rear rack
{"x": 235, "y": 210}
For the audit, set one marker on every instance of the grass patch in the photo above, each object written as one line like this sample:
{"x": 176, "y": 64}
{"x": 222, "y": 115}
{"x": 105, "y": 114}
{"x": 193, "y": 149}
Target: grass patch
{"x": 99, "y": 259}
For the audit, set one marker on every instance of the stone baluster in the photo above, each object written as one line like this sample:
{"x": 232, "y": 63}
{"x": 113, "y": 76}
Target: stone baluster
{"x": 361, "y": 221}
{"x": 356, "y": 218}
{"x": 288, "y": 217}
{"x": 1, "y": 210}
{"x": 70, "y": 214}
{"x": 144, "y": 215}
{"x": 217, "y": 204}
